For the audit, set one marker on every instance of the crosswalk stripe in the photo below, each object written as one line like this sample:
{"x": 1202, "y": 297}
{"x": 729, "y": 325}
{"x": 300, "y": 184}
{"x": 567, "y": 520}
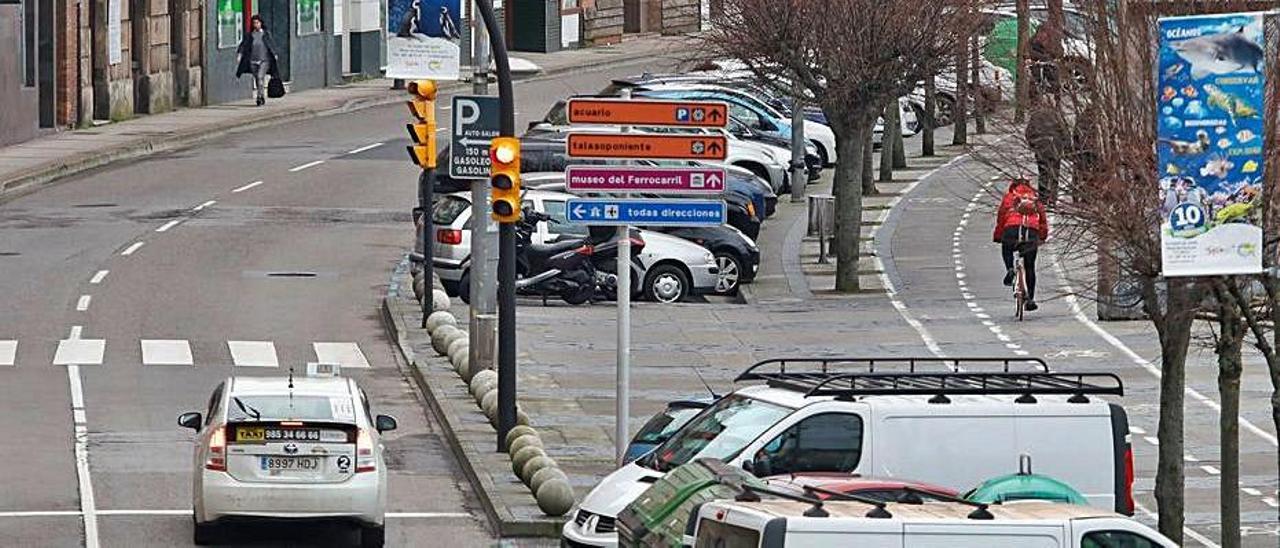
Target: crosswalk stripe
{"x": 77, "y": 351}
{"x": 8, "y": 352}
{"x": 253, "y": 353}
{"x": 166, "y": 352}
{"x": 346, "y": 355}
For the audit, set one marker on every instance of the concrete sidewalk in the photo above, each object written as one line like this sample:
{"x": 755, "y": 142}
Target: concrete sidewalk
{"x": 27, "y": 166}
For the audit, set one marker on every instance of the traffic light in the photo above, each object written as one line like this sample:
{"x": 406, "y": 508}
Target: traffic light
{"x": 423, "y": 108}
{"x": 504, "y": 175}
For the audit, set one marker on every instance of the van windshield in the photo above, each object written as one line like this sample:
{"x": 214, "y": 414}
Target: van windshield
{"x": 720, "y": 431}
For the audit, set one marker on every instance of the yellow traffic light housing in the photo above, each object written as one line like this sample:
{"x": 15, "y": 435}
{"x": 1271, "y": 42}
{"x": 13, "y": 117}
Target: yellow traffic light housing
{"x": 423, "y": 108}
{"x": 504, "y": 176}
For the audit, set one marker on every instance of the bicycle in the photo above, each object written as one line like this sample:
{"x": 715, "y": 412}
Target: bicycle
{"x": 1019, "y": 281}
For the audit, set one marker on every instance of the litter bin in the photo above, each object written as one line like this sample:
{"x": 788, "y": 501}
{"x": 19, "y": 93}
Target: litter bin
{"x": 822, "y": 215}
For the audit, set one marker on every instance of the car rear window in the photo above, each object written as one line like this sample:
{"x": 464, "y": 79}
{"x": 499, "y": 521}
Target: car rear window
{"x": 273, "y": 407}
{"x": 448, "y": 209}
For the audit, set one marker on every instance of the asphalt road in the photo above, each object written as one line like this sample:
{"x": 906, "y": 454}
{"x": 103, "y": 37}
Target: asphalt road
{"x": 181, "y": 258}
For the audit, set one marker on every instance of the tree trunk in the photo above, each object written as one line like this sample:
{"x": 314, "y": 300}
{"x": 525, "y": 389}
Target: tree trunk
{"x": 975, "y": 83}
{"x": 899, "y": 148}
{"x": 960, "y": 112}
{"x": 868, "y": 155}
{"x": 1173, "y": 325}
{"x": 930, "y": 111}
{"x": 888, "y": 141}
{"x": 1021, "y": 82}
{"x": 1229, "y": 365}
{"x": 1273, "y": 364}
{"x": 850, "y": 142}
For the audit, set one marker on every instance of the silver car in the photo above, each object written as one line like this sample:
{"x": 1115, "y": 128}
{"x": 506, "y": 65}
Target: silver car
{"x": 674, "y": 268}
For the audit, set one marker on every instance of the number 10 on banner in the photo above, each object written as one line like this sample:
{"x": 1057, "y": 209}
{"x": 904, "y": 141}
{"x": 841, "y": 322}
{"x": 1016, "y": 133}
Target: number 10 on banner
{"x": 1186, "y": 218}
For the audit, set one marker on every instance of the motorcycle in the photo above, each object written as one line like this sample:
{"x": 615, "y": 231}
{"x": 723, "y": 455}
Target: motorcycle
{"x": 576, "y": 270}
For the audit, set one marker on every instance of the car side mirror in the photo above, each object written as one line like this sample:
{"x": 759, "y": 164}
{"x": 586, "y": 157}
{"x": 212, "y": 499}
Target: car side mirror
{"x": 191, "y": 420}
{"x": 385, "y": 423}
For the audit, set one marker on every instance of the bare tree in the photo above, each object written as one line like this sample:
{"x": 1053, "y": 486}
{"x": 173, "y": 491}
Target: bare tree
{"x": 889, "y": 140}
{"x": 853, "y": 56}
{"x": 1022, "y": 84}
{"x": 960, "y": 111}
{"x": 929, "y": 123}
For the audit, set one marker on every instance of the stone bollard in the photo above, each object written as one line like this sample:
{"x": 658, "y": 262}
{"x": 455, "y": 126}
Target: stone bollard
{"x": 439, "y": 300}
{"x": 452, "y": 349}
{"x": 439, "y": 318}
{"x": 480, "y": 378}
{"x": 461, "y": 365}
{"x": 522, "y": 457}
{"x": 542, "y": 476}
{"x": 483, "y": 390}
{"x": 489, "y": 404}
{"x": 451, "y": 338}
{"x": 441, "y": 337}
{"x": 522, "y": 418}
{"x": 533, "y": 465}
{"x": 524, "y": 441}
{"x": 520, "y": 431}
{"x": 419, "y": 287}
{"x": 555, "y": 497}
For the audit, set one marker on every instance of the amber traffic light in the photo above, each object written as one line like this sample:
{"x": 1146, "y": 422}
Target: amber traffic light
{"x": 423, "y": 108}
{"x": 504, "y": 176}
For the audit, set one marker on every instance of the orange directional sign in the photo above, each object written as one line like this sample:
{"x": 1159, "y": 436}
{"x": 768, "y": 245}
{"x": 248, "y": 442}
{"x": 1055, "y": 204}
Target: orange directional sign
{"x": 624, "y": 112}
{"x": 647, "y": 146}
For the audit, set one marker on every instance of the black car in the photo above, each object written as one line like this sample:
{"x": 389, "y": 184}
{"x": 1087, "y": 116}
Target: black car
{"x": 737, "y": 257}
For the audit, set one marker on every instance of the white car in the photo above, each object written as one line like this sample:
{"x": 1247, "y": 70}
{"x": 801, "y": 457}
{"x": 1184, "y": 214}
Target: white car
{"x": 303, "y": 448}
{"x": 673, "y": 270}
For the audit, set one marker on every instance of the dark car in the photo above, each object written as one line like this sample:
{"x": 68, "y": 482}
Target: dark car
{"x": 737, "y": 257}
{"x": 662, "y": 425}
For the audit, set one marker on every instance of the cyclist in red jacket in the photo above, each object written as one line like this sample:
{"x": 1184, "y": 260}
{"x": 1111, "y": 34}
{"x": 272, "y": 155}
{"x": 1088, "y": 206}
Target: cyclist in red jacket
{"x": 1021, "y": 223}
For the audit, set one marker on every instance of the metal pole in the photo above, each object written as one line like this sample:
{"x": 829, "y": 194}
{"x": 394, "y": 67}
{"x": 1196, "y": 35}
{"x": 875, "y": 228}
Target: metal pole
{"x": 426, "y": 184}
{"x": 799, "y": 177}
{"x": 506, "y": 242}
{"x": 622, "y": 403}
{"x": 484, "y": 233}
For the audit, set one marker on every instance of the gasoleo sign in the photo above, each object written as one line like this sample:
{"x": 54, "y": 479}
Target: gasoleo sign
{"x": 645, "y": 146}
{"x": 646, "y": 112}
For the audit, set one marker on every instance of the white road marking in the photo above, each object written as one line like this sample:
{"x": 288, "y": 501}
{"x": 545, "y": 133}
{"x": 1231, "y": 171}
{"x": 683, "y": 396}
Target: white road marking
{"x": 307, "y": 165}
{"x": 129, "y": 250}
{"x": 1190, "y": 458}
{"x": 1012, "y": 346}
{"x": 88, "y": 508}
{"x": 76, "y": 330}
{"x": 8, "y": 352}
{"x": 99, "y": 276}
{"x": 246, "y": 187}
{"x": 1210, "y": 470}
{"x": 364, "y": 148}
{"x": 83, "y": 304}
{"x": 1137, "y": 430}
{"x": 166, "y": 352}
{"x": 165, "y": 227}
{"x": 77, "y": 351}
{"x": 1021, "y": 352}
{"x": 982, "y": 315}
{"x": 1251, "y": 491}
{"x": 346, "y": 355}
{"x": 204, "y": 205}
{"x": 253, "y": 353}
{"x": 1203, "y": 540}
{"x": 1142, "y": 362}
{"x": 42, "y": 514}
{"x": 1271, "y": 501}
{"x": 1152, "y": 440}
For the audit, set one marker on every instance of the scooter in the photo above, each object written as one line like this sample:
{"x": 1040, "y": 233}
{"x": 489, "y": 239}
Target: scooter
{"x": 571, "y": 269}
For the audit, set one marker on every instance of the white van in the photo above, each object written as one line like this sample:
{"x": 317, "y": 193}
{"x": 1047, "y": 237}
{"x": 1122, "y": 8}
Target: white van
{"x": 774, "y": 523}
{"x": 918, "y": 419}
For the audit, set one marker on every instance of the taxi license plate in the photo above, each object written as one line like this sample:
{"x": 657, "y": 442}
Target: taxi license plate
{"x": 251, "y": 433}
{"x": 272, "y": 464}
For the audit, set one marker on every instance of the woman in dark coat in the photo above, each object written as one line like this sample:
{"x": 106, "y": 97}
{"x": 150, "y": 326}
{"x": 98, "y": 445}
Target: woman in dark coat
{"x": 258, "y": 57}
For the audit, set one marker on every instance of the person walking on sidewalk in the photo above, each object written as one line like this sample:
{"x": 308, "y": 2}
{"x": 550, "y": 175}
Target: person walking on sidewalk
{"x": 258, "y": 58}
{"x": 1021, "y": 223}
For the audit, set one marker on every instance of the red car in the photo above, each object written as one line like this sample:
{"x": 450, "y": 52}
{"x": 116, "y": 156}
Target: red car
{"x": 884, "y": 489}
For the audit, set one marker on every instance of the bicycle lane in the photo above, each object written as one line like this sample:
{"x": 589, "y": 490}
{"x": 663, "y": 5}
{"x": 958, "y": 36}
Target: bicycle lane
{"x": 938, "y": 253}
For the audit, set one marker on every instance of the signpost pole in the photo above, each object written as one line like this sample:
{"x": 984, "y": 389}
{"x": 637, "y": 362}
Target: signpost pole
{"x": 484, "y": 233}
{"x": 622, "y": 408}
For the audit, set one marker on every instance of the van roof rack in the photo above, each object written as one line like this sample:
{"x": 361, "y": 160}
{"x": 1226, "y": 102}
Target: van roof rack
{"x": 852, "y": 377}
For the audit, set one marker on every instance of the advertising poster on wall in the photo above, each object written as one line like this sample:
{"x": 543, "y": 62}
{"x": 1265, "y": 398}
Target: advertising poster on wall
{"x": 114, "y": 48}
{"x": 308, "y": 17}
{"x": 230, "y": 23}
{"x": 1209, "y": 104}
{"x": 424, "y": 39}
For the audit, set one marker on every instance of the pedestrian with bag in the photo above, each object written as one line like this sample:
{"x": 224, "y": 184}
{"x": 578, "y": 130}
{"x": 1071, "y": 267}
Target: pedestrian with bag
{"x": 257, "y": 57}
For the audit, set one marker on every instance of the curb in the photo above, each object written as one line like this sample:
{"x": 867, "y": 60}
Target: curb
{"x": 500, "y": 518}
{"x": 45, "y": 176}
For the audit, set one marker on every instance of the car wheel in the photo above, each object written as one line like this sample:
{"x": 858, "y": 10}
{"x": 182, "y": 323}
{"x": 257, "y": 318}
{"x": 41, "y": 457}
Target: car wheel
{"x": 373, "y": 536}
{"x": 822, "y": 154}
{"x": 730, "y": 274}
{"x": 666, "y": 283}
{"x": 464, "y": 287}
{"x": 204, "y": 534}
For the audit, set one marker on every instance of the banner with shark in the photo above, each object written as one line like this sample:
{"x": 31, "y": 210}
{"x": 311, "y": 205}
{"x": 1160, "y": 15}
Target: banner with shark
{"x": 424, "y": 39}
{"x": 1209, "y": 104}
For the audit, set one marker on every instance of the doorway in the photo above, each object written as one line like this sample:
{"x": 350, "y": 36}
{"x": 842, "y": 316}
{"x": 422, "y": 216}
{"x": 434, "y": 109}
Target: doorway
{"x": 99, "y": 66}
{"x": 177, "y": 51}
{"x": 45, "y": 62}
{"x": 276, "y": 18}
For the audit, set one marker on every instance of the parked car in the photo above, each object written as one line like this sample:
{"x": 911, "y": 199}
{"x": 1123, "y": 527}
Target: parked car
{"x": 803, "y": 420}
{"x": 661, "y": 426}
{"x": 674, "y": 269}
{"x": 779, "y": 523}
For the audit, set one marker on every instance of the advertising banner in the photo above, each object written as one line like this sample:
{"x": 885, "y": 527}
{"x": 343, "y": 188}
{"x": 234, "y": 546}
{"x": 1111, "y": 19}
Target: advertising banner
{"x": 308, "y": 17}
{"x": 1209, "y": 104}
{"x": 230, "y": 23}
{"x": 424, "y": 39}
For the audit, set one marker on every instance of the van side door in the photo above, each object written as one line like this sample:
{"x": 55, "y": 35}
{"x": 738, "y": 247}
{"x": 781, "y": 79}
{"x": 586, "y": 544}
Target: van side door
{"x": 822, "y": 442}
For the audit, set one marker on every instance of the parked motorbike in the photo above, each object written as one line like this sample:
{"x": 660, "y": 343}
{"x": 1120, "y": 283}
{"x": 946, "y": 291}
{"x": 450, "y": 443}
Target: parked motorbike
{"x": 576, "y": 270}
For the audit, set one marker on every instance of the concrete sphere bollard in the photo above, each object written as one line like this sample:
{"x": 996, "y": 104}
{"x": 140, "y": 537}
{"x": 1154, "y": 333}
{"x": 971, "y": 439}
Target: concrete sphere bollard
{"x": 441, "y": 337}
{"x": 452, "y": 349}
{"x": 489, "y": 403}
{"x": 439, "y": 318}
{"x": 544, "y": 475}
{"x": 555, "y": 497}
{"x": 524, "y": 441}
{"x": 484, "y": 390}
{"x": 519, "y": 458}
{"x": 522, "y": 418}
{"x": 453, "y": 337}
{"x": 463, "y": 365}
{"x": 439, "y": 299}
{"x": 535, "y": 464}
{"x": 419, "y": 287}
{"x": 481, "y": 377}
{"x": 519, "y": 431}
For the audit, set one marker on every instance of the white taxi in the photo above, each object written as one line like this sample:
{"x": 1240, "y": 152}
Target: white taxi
{"x": 304, "y": 448}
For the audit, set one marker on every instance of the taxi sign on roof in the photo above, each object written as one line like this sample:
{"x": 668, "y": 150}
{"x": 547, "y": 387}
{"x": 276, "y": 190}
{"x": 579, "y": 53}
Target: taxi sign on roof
{"x": 648, "y": 146}
{"x": 624, "y": 112}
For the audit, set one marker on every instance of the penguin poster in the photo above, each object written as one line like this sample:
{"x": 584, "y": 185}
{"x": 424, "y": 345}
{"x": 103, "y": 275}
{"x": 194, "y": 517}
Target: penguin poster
{"x": 1210, "y": 85}
{"x": 424, "y": 39}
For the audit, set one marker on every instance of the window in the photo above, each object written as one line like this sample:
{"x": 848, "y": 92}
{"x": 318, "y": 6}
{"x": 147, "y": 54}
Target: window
{"x": 215, "y": 402}
{"x": 308, "y": 17}
{"x": 830, "y": 442}
{"x": 561, "y": 227}
{"x": 717, "y": 534}
{"x": 1116, "y": 539}
{"x": 28, "y": 59}
{"x": 720, "y": 431}
{"x": 285, "y": 407}
{"x": 448, "y": 209}
{"x": 664, "y": 424}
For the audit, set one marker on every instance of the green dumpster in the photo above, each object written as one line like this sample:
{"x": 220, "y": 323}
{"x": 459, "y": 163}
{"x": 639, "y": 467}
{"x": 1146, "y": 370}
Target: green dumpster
{"x": 1025, "y": 487}
{"x": 657, "y": 518}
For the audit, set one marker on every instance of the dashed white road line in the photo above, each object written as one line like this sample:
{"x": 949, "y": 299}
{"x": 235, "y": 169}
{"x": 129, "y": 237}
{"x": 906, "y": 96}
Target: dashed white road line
{"x": 1152, "y": 440}
{"x": 1203, "y": 540}
{"x": 88, "y": 508}
{"x": 1251, "y": 491}
{"x": 83, "y": 304}
{"x": 246, "y": 187}
{"x": 132, "y": 248}
{"x": 165, "y": 227}
{"x": 204, "y": 205}
{"x": 307, "y": 165}
{"x": 364, "y": 148}
{"x": 1212, "y": 471}
{"x": 99, "y": 276}
{"x": 1271, "y": 501}
{"x": 8, "y": 353}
